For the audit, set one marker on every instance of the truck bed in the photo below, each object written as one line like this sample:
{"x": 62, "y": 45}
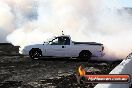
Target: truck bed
{"x": 89, "y": 43}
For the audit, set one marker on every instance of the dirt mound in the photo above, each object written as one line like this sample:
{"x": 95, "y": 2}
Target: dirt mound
{"x": 8, "y": 49}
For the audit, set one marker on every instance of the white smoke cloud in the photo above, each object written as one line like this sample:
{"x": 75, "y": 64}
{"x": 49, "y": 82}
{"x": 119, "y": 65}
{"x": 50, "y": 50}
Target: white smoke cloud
{"x": 14, "y": 14}
{"x": 25, "y": 37}
{"x": 85, "y": 20}
{"x": 6, "y": 21}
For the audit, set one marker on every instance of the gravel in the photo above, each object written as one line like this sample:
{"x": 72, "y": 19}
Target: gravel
{"x": 23, "y": 72}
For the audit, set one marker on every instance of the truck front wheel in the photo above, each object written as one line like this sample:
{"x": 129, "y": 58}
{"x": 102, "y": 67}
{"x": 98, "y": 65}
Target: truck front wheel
{"x": 35, "y": 53}
{"x": 85, "y": 55}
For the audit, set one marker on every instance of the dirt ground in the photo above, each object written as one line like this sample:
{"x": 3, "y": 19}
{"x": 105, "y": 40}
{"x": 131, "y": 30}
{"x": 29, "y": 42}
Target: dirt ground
{"x": 23, "y": 72}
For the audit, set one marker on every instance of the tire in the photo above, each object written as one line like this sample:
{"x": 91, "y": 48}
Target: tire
{"x": 35, "y": 53}
{"x": 85, "y": 55}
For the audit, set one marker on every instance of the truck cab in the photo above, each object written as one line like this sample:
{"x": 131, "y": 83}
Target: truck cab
{"x": 58, "y": 46}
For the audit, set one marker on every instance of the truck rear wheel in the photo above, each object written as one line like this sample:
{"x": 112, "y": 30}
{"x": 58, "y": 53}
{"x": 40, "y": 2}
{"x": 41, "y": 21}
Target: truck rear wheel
{"x": 35, "y": 53}
{"x": 85, "y": 55}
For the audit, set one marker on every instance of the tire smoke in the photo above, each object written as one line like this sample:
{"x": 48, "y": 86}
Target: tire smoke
{"x": 27, "y": 22}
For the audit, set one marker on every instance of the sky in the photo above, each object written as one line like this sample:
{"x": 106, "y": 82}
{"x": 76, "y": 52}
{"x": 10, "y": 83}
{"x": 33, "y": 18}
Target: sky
{"x": 126, "y": 3}
{"x": 119, "y": 3}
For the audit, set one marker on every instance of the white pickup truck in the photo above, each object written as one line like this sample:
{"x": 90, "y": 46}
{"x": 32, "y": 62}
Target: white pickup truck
{"x": 63, "y": 46}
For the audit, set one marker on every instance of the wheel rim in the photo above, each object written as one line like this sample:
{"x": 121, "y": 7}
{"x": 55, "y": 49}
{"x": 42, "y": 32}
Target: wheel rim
{"x": 85, "y": 55}
{"x": 35, "y": 54}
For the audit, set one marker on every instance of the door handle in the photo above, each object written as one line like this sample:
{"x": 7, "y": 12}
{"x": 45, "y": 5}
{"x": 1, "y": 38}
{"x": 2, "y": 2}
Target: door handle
{"x": 63, "y": 46}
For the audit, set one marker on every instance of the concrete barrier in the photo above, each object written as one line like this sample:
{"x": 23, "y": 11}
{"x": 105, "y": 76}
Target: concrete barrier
{"x": 125, "y": 67}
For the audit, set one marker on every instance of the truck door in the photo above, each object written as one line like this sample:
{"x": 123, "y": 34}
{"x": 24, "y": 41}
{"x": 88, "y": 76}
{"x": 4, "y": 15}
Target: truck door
{"x": 58, "y": 47}
{"x": 65, "y": 46}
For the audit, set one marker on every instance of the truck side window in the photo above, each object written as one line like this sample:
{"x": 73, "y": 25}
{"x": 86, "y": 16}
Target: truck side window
{"x": 67, "y": 41}
{"x": 63, "y": 41}
{"x": 60, "y": 41}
